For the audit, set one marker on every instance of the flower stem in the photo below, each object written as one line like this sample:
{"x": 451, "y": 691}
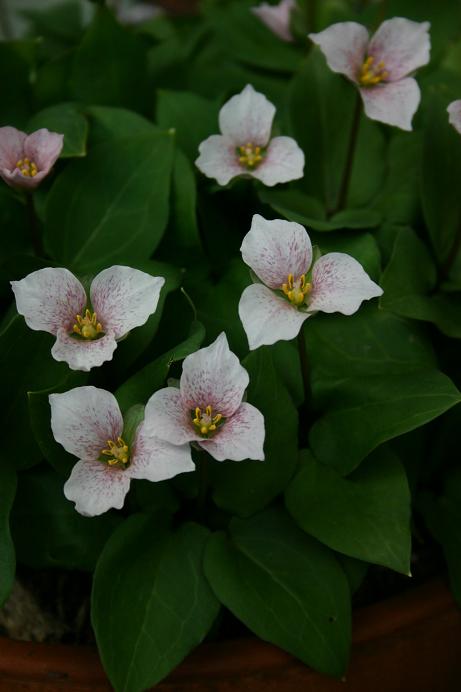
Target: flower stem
{"x": 202, "y": 470}
{"x": 304, "y": 362}
{"x": 347, "y": 172}
{"x": 33, "y": 225}
{"x": 311, "y": 15}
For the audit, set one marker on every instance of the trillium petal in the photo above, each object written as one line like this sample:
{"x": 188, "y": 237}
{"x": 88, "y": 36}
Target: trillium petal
{"x": 167, "y": 418}
{"x": 394, "y": 103}
{"x": 403, "y": 46}
{"x": 124, "y": 298}
{"x": 157, "y": 460}
{"x": 17, "y": 179}
{"x": 454, "y": 115}
{"x": 247, "y": 117}
{"x": 11, "y": 147}
{"x": 49, "y": 299}
{"x": 213, "y": 377}
{"x": 274, "y": 249}
{"x": 43, "y": 147}
{"x": 340, "y": 284}
{"x": 241, "y": 437}
{"x": 96, "y": 487}
{"x": 276, "y": 17}
{"x": 284, "y": 161}
{"x": 80, "y": 354}
{"x": 344, "y": 46}
{"x": 266, "y": 318}
{"x": 84, "y": 419}
{"x": 218, "y": 159}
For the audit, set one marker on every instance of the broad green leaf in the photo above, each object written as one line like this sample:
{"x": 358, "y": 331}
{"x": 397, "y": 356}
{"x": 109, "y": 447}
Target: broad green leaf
{"x": 15, "y": 72}
{"x": 110, "y": 123}
{"x": 7, "y": 552}
{"x": 58, "y": 22}
{"x": 366, "y": 516}
{"x": 285, "y": 586}
{"x": 124, "y": 185}
{"x": 249, "y": 486}
{"x": 67, "y": 119}
{"x": 151, "y": 604}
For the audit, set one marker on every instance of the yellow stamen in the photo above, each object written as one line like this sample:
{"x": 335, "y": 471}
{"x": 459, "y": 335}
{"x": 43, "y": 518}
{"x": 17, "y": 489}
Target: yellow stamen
{"x": 88, "y": 327}
{"x": 370, "y": 74}
{"x": 27, "y": 167}
{"x": 118, "y": 453}
{"x": 250, "y": 155}
{"x": 296, "y": 290}
{"x": 206, "y": 423}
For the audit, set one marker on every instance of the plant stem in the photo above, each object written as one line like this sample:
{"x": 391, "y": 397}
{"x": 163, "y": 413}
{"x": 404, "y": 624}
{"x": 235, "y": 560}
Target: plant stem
{"x": 304, "y": 362}
{"x": 33, "y": 225}
{"x": 202, "y": 470}
{"x": 311, "y": 15}
{"x": 347, "y": 172}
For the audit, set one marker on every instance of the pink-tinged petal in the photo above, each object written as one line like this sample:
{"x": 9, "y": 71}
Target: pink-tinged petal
{"x": 124, "y": 298}
{"x": 49, "y": 299}
{"x": 344, "y": 46}
{"x": 157, "y": 460}
{"x": 241, "y": 436}
{"x": 84, "y": 419}
{"x": 43, "y": 147}
{"x": 340, "y": 284}
{"x": 218, "y": 159}
{"x": 167, "y": 418}
{"x": 284, "y": 161}
{"x": 213, "y": 377}
{"x": 402, "y": 45}
{"x": 454, "y": 115}
{"x": 266, "y": 318}
{"x": 274, "y": 249}
{"x": 17, "y": 179}
{"x": 247, "y": 117}
{"x": 96, "y": 487}
{"x": 276, "y": 17}
{"x": 11, "y": 147}
{"x": 394, "y": 103}
{"x": 82, "y": 354}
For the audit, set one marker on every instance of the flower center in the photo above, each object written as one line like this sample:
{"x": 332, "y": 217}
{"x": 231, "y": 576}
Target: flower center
{"x": 117, "y": 453}
{"x": 27, "y": 167}
{"x": 206, "y": 423}
{"x": 88, "y": 327}
{"x": 296, "y": 291}
{"x": 371, "y": 74}
{"x": 250, "y": 155}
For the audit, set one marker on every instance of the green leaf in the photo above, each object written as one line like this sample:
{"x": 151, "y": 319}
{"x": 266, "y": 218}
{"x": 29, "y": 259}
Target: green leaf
{"x": 15, "y": 72}
{"x": 151, "y": 604}
{"x": 47, "y": 530}
{"x": 67, "y": 119}
{"x": 249, "y": 486}
{"x": 183, "y": 237}
{"x": 125, "y": 186}
{"x": 366, "y": 516}
{"x": 7, "y": 554}
{"x": 108, "y": 123}
{"x": 285, "y": 586}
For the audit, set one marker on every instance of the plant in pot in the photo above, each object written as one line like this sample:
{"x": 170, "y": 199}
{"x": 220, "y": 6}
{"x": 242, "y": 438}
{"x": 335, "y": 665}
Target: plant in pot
{"x": 230, "y": 343}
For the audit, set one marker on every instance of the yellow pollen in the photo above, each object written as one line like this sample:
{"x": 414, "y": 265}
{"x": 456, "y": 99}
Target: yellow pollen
{"x": 206, "y": 422}
{"x": 117, "y": 452}
{"x": 88, "y": 327}
{"x": 371, "y": 74}
{"x": 296, "y": 290}
{"x": 250, "y": 155}
{"x": 27, "y": 167}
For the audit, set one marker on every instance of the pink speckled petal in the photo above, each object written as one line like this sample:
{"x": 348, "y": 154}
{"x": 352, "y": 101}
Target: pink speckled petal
{"x": 274, "y": 249}
{"x": 394, "y": 103}
{"x": 276, "y": 17}
{"x": 96, "y": 487}
{"x": 284, "y": 161}
{"x": 167, "y": 418}
{"x": 80, "y": 354}
{"x": 17, "y": 179}
{"x": 124, "y": 298}
{"x": 247, "y": 117}
{"x": 340, "y": 284}
{"x": 454, "y": 115}
{"x": 218, "y": 159}
{"x": 11, "y": 147}
{"x": 157, "y": 460}
{"x": 49, "y": 299}
{"x": 241, "y": 436}
{"x": 213, "y": 377}
{"x": 403, "y": 46}
{"x": 43, "y": 147}
{"x": 83, "y": 419}
{"x": 344, "y": 46}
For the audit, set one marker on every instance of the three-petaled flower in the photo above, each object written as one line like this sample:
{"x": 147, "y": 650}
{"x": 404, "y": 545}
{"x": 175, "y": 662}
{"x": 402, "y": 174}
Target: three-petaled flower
{"x": 380, "y": 66}
{"x": 26, "y": 159}
{"x": 245, "y": 146}
{"x": 280, "y": 254}
{"x": 207, "y": 408}
{"x": 88, "y": 423}
{"x": 454, "y": 115}
{"x": 54, "y": 301}
{"x": 276, "y": 17}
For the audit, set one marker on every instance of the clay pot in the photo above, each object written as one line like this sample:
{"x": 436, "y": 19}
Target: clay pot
{"x": 410, "y": 642}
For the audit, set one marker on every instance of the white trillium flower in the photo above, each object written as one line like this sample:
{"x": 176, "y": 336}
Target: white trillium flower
{"x": 87, "y": 331}
{"x": 245, "y": 147}
{"x": 380, "y": 66}
{"x": 276, "y": 17}
{"x": 454, "y": 115}
{"x": 291, "y": 290}
{"x": 88, "y": 423}
{"x": 207, "y": 408}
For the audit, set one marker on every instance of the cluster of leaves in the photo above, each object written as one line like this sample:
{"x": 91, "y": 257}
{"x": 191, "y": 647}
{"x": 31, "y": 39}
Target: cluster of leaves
{"x": 282, "y": 543}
